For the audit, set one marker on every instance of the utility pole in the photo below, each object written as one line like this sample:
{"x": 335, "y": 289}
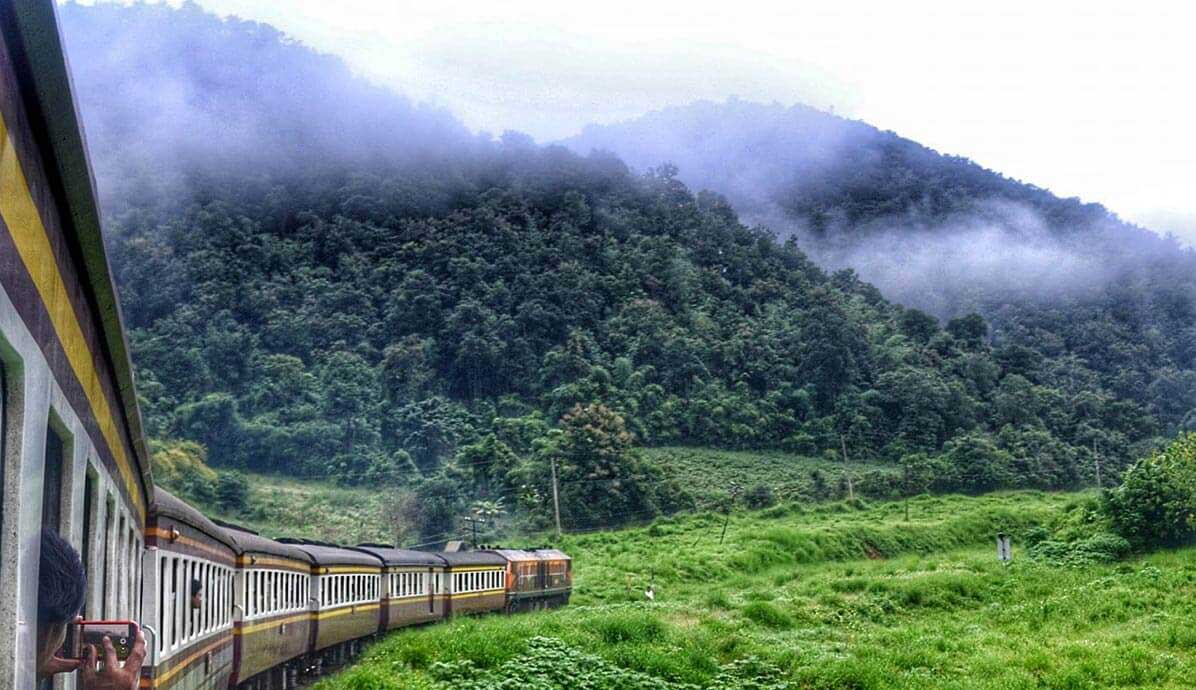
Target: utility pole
{"x": 556, "y": 501}
{"x": 473, "y": 522}
{"x": 727, "y": 512}
{"x": 846, "y": 469}
{"x": 1096, "y": 460}
{"x": 905, "y": 473}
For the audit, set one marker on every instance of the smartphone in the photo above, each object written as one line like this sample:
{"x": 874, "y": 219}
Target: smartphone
{"x": 121, "y": 633}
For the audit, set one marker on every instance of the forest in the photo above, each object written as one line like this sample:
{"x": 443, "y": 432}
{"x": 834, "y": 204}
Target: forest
{"x": 460, "y": 315}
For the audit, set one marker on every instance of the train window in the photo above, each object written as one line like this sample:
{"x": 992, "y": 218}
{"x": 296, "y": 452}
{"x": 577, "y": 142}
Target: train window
{"x": 161, "y": 610}
{"x": 208, "y": 597}
{"x": 184, "y": 596}
{"x": 135, "y": 579}
{"x": 173, "y": 603}
{"x": 123, "y": 576}
{"x": 90, "y": 496}
{"x": 52, "y": 478}
{"x": 106, "y": 558}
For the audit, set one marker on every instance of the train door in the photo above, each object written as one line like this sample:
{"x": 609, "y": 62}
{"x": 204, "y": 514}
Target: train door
{"x": 431, "y": 591}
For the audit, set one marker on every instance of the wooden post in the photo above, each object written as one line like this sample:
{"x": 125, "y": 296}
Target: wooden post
{"x": 556, "y": 501}
{"x": 846, "y": 469}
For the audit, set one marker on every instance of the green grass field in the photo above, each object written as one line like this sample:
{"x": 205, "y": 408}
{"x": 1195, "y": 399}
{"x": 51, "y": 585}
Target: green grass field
{"x": 282, "y": 507}
{"x": 707, "y": 472}
{"x": 836, "y": 597}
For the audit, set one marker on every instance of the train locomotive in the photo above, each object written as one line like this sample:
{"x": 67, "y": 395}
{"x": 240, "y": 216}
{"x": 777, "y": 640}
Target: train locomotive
{"x": 222, "y": 607}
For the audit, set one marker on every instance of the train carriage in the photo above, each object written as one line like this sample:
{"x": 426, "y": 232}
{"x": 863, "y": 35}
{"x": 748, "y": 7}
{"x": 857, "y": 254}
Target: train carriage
{"x": 475, "y": 581}
{"x": 73, "y": 456}
{"x": 189, "y": 590}
{"x": 274, "y": 609}
{"x": 537, "y": 579}
{"x": 346, "y": 586}
{"x": 412, "y": 586}
{"x": 524, "y": 579}
{"x": 558, "y": 576}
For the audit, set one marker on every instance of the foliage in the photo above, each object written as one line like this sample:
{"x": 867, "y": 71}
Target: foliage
{"x": 232, "y": 491}
{"x": 1156, "y": 502}
{"x": 390, "y": 347}
{"x": 181, "y": 467}
{"x": 759, "y": 496}
{"x": 939, "y": 612}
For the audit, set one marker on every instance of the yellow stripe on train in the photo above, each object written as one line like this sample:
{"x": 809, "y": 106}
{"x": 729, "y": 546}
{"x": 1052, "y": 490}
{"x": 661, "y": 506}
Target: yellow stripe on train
{"x": 33, "y": 245}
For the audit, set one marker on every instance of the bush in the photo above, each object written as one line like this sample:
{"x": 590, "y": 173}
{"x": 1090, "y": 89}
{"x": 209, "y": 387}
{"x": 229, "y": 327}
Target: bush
{"x": 767, "y": 615}
{"x": 1098, "y": 548}
{"x": 759, "y": 496}
{"x": 232, "y": 491}
{"x": 1156, "y": 502}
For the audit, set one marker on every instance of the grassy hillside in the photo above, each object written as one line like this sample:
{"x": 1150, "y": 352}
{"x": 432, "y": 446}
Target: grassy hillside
{"x": 708, "y": 473}
{"x": 282, "y": 507}
{"x": 832, "y": 598}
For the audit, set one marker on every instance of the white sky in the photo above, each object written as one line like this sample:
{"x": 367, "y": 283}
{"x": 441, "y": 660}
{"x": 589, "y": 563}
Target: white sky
{"x": 1091, "y": 99}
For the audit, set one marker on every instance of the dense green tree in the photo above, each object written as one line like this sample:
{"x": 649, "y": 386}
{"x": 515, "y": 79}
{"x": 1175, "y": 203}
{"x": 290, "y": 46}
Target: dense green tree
{"x": 1156, "y": 502}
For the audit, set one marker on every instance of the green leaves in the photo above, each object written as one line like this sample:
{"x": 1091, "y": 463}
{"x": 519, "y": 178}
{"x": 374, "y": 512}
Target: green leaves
{"x": 1156, "y": 502}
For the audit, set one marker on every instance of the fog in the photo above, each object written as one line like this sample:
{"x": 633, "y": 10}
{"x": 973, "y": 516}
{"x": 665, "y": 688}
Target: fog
{"x": 939, "y": 233}
{"x": 163, "y": 91}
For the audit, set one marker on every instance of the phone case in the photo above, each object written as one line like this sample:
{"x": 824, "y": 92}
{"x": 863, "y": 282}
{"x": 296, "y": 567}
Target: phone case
{"x": 122, "y": 634}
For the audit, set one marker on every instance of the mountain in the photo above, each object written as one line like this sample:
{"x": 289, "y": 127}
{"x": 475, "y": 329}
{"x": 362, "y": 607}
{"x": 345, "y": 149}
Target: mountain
{"x": 933, "y": 231}
{"x": 453, "y": 313}
{"x": 168, "y": 92}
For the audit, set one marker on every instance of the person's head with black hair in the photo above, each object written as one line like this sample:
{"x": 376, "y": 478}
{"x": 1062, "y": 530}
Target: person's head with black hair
{"x": 61, "y": 588}
{"x": 196, "y": 593}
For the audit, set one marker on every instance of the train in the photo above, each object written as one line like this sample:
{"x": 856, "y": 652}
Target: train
{"x": 222, "y": 606}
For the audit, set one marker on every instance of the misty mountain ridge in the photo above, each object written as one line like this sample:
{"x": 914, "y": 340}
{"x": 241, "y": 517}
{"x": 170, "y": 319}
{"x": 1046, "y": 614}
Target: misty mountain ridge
{"x": 935, "y": 231}
{"x": 276, "y": 224}
{"x": 167, "y": 94}
{"x": 203, "y": 95}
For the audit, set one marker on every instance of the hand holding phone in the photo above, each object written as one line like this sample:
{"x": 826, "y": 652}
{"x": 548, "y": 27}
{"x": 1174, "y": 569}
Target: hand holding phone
{"x": 122, "y": 634}
{"x": 114, "y": 675}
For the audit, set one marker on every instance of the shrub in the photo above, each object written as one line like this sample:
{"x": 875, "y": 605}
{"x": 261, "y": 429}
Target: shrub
{"x": 1156, "y": 502}
{"x": 767, "y": 615}
{"x": 628, "y": 627}
{"x": 232, "y": 491}
{"x": 759, "y": 496}
{"x": 1098, "y": 548}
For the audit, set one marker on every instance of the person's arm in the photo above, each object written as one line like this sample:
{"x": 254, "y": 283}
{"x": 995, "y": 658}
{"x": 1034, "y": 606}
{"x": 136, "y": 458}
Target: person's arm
{"x": 58, "y": 665}
{"x": 114, "y": 676}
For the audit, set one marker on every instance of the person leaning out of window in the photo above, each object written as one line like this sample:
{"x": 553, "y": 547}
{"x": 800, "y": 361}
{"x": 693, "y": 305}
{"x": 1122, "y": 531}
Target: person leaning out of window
{"x": 61, "y": 588}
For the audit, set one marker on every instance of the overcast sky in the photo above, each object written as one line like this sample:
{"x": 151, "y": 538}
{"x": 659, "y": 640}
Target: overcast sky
{"x": 1088, "y": 99}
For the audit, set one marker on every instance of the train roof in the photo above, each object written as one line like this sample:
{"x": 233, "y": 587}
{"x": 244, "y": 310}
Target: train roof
{"x": 329, "y": 555}
{"x": 251, "y": 542}
{"x": 517, "y": 555}
{"x": 43, "y": 74}
{"x": 457, "y": 559}
{"x": 552, "y": 555}
{"x": 167, "y": 505}
{"x": 392, "y": 556}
